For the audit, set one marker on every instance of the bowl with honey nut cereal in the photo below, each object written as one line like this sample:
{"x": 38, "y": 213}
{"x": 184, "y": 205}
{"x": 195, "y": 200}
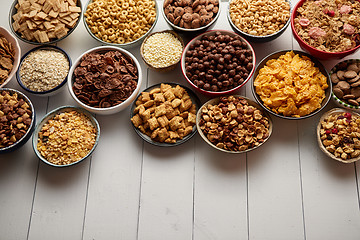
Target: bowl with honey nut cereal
{"x": 10, "y": 54}
{"x": 121, "y": 23}
{"x": 327, "y": 29}
{"x": 43, "y": 70}
{"x": 218, "y": 62}
{"x": 233, "y": 124}
{"x": 105, "y": 80}
{"x": 165, "y": 114}
{"x": 162, "y": 51}
{"x": 17, "y": 119}
{"x": 66, "y": 136}
{"x": 345, "y": 79}
{"x": 259, "y": 20}
{"x": 45, "y": 21}
{"x": 338, "y": 135}
{"x": 291, "y": 84}
{"x": 191, "y": 15}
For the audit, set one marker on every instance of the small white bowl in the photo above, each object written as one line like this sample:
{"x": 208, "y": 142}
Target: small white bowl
{"x": 113, "y": 109}
{"x": 17, "y": 56}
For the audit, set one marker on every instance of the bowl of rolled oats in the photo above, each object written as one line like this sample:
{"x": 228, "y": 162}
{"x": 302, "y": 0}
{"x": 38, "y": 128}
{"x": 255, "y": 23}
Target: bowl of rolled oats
{"x": 17, "y": 119}
{"x": 10, "y": 54}
{"x": 338, "y": 135}
{"x": 345, "y": 78}
{"x": 191, "y": 15}
{"x": 327, "y": 29}
{"x": 259, "y": 20}
{"x": 43, "y": 70}
{"x": 165, "y": 114}
{"x": 44, "y": 22}
{"x": 120, "y": 23}
{"x": 233, "y": 124}
{"x": 66, "y": 136}
{"x": 105, "y": 80}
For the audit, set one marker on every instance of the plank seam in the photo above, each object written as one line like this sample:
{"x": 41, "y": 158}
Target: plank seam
{"x": 301, "y": 182}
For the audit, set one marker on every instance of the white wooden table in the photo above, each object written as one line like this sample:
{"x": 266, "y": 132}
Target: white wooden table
{"x": 287, "y": 189}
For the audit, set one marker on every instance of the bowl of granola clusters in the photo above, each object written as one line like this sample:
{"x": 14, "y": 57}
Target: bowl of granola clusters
{"x": 338, "y": 135}
{"x": 259, "y": 20}
{"x": 327, "y": 29}
{"x": 66, "y": 136}
{"x": 233, "y": 124}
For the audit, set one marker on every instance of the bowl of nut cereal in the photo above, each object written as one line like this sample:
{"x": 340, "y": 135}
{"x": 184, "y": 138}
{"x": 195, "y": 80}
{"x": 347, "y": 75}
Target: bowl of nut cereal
{"x": 43, "y": 70}
{"x": 105, "y": 80}
{"x": 327, "y": 29}
{"x": 191, "y": 15}
{"x": 218, "y": 62}
{"x": 165, "y": 114}
{"x": 120, "y": 23}
{"x": 233, "y": 124}
{"x": 10, "y": 53}
{"x": 17, "y": 117}
{"x": 259, "y": 20}
{"x": 338, "y": 135}
{"x": 345, "y": 79}
{"x": 44, "y": 22}
{"x": 66, "y": 136}
{"x": 291, "y": 84}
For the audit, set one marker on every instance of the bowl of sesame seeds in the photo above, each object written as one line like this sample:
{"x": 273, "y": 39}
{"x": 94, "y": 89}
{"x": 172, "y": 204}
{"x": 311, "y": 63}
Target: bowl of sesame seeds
{"x": 66, "y": 136}
{"x": 43, "y": 71}
{"x": 162, "y": 51}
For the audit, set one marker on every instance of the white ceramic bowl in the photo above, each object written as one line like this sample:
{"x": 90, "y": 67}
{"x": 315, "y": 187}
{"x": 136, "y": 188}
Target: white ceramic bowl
{"x": 107, "y": 110}
{"x": 17, "y": 56}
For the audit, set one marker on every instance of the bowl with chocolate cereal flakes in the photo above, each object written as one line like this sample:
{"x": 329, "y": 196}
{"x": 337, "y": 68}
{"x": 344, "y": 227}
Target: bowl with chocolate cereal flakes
{"x": 105, "y": 80}
{"x": 120, "y": 23}
{"x": 44, "y": 21}
{"x": 17, "y": 119}
{"x": 233, "y": 124}
{"x": 165, "y": 114}
{"x": 338, "y": 135}
{"x": 191, "y": 15}
{"x": 162, "y": 51}
{"x": 259, "y": 20}
{"x": 10, "y": 54}
{"x": 66, "y": 136}
{"x": 43, "y": 70}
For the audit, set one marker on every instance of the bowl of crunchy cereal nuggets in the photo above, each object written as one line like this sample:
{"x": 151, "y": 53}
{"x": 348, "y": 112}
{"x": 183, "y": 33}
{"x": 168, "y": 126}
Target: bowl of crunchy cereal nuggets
{"x": 233, "y": 124}
{"x": 291, "y": 84}
{"x": 338, "y": 135}
{"x": 44, "y": 22}
{"x": 66, "y": 136}
{"x": 259, "y": 20}
{"x": 327, "y": 29}
{"x": 165, "y": 114}
{"x": 120, "y": 23}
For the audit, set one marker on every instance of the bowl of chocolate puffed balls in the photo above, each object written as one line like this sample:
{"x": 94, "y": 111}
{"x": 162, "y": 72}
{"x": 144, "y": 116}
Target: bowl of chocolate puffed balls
{"x": 218, "y": 62}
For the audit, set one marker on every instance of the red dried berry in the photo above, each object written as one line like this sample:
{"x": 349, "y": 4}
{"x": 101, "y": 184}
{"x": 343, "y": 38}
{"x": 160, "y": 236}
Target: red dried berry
{"x": 334, "y": 130}
{"x": 328, "y": 131}
{"x": 347, "y": 115}
{"x": 331, "y": 13}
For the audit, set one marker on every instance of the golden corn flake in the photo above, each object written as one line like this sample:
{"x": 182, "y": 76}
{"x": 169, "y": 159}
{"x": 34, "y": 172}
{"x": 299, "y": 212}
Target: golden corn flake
{"x": 291, "y": 85}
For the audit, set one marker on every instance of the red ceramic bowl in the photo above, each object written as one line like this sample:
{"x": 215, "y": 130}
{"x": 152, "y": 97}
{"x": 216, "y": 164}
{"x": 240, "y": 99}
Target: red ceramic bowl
{"x": 313, "y": 51}
{"x": 218, "y": 93}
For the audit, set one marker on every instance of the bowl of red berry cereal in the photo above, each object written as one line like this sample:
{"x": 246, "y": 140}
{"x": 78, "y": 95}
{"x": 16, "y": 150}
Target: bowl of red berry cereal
{"x": 327, "y": 29}
{"x": 338, "y": 135}
{"x": 66, "y": 136}
{"x": 218, "y": 62}
{"x": 233, "y": 124}
{"x": 105, "y": 80}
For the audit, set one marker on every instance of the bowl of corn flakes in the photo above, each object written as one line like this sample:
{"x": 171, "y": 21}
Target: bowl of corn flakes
{"x": 291, "y": 84}
{"x": 338, "y": 135}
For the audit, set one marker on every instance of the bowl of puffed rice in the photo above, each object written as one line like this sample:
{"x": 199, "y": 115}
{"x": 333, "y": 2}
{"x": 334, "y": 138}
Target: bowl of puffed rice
{"x": 327, "y": 29}
{"x": 66, "y": 136}
{"x": 259, "y": 20}
{"x": 338, "y": 135}
{"x": 120, "y": 23}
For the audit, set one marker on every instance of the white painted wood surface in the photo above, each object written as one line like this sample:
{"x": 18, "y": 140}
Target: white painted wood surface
{"x": 129, "y": 189}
